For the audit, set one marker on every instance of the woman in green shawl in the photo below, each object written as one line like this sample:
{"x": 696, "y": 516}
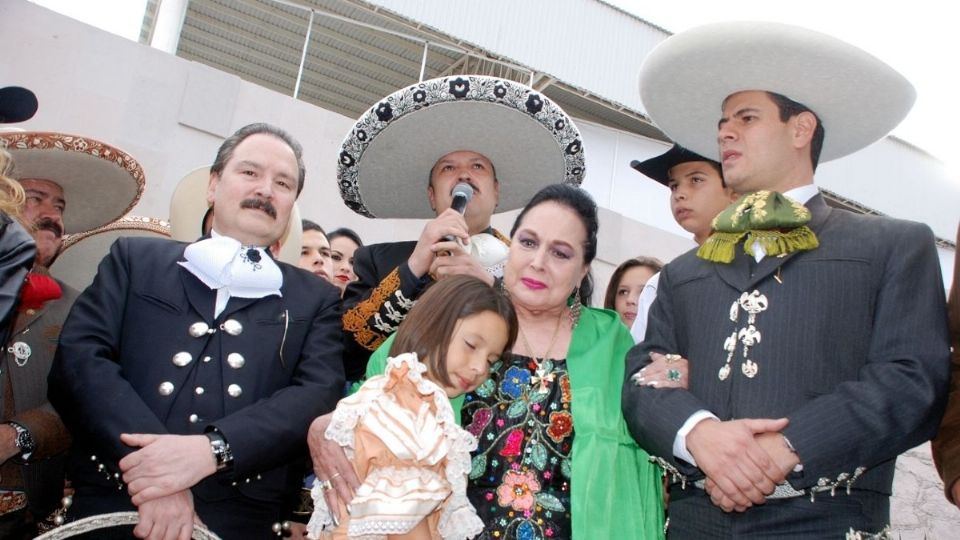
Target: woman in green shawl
{"x": 555, "y": 459}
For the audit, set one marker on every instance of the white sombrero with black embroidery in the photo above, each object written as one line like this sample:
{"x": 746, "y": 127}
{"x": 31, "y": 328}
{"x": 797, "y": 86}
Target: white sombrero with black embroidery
{"x": 385, "y": 161}
{"x": 685, "y": 79}
{"x": 100, "y": 183}
{"x": 188, "y": 208}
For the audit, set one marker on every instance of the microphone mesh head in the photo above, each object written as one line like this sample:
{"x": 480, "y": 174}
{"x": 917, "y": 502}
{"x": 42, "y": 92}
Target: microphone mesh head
{"x": 463, "y": 190}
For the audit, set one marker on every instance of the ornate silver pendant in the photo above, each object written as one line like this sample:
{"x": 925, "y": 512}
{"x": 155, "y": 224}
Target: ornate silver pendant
{"x": 724, "y": 372}
{"x": 21, "y": 353}
{"x": 749, "y": 368}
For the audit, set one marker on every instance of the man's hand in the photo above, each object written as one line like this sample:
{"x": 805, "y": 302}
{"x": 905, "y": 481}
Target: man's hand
{"x": 448, "y": 223}
{"x": 776, "y": 447}
{"x": 451, "y": 259}
{"x": 165, "y": 464}
{"x": 739, "y": 471}
{"x": 8, "y": 442}
{"x": 166, "y": 518}
{"x": 330, "y": 463}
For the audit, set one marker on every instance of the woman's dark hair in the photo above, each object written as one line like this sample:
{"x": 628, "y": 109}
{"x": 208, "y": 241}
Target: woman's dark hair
{"x": 345, "y": 233}
{"x": 583, "y": 205}
{"x": 429, "y": 326}
{"x": 609, "y": 299}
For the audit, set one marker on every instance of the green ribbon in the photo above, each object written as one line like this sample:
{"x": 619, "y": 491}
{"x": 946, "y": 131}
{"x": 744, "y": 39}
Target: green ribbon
{"x": 775, "y": 221}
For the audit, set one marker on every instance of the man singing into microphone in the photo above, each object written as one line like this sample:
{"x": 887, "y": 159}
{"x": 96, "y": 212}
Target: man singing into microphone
{"x": 483, "y": 133}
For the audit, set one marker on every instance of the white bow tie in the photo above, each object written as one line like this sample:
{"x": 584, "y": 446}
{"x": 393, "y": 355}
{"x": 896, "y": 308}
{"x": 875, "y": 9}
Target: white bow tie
{"x": 489, "y": 251}
{"x": 223, "y": 263}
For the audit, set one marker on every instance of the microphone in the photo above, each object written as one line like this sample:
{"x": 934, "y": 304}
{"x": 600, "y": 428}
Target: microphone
{"x": 462, "y": 193}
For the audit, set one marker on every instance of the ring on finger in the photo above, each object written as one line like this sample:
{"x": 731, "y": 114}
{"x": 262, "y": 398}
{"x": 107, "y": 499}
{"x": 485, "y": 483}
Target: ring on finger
{"x": 671, "y": 358}
{"x": 674, "y": 375}
{"x": 335, "y": 475}
{"x": 325, "y": 484}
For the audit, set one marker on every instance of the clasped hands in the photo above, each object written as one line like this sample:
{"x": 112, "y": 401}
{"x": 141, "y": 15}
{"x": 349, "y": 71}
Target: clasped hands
{"x": 743, "y": 460}
{"x": 159, "y": 476}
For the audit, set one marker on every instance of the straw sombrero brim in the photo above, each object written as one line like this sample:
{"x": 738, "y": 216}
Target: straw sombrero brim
{"x": 189, "y": 204}
{"x": 658, "y": 168}
{"x": 17, "y": 104}
{"x": 76, "y": 264}
{"x": 385, "y": 161}
{"x": 100, "y": 183}
{"x": 685, "y": 79}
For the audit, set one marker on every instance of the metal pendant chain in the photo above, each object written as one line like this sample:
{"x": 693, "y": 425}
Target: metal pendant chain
{"x": 543, "y": 375}
{"x": 553, "y": 340}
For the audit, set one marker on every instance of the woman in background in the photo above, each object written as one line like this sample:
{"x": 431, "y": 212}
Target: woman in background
{"x": 343, "y": 243}
{"x": 627, "y": 283}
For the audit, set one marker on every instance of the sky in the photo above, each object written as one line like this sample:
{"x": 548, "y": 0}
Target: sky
{"x": 919, "y": 38}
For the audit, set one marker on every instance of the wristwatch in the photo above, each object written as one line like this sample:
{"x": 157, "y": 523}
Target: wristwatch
{"x": 221, "y": 450}
{"x": 24, "y": 441}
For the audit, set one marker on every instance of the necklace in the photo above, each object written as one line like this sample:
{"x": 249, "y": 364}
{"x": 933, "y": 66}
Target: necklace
{"x": 544, "y": 375}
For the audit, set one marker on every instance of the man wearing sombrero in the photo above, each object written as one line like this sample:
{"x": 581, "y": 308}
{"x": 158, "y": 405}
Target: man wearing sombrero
{"x": 188, "y": 373}
{"x": 816, "y": 338}
{"x": 404, "y": 157}
{"x": 57, "y": 172}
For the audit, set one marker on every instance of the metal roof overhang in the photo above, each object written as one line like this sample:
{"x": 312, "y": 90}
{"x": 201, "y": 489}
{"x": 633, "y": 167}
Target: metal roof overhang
{"x": 356, "y": 53}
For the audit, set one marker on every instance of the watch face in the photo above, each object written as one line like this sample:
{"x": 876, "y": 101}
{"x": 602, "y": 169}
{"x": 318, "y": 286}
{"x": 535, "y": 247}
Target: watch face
{"x": 25, "y": 442}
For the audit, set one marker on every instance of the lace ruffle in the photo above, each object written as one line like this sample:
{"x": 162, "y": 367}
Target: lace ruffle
{"x": 458, "y": 517}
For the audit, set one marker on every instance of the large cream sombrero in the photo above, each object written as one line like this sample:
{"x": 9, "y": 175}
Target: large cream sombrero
{"x": 189, "y": 204}
{"x": 100, "y": 183}
{"x": 386, "y": 158}
{"x": 76, "y": 264}
{"x": 685, "y": 79}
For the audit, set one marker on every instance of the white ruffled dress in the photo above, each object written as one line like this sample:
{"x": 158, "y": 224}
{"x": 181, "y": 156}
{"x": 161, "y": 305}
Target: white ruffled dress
{"x": 410, "y": 455}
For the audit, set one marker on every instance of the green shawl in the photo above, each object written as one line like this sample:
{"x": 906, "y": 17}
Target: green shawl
{"x": 616, "y": 491}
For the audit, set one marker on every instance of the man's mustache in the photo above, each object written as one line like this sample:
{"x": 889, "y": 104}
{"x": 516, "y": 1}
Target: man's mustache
{"x": 260, "y": 204}
{"x": 49, "y": 225}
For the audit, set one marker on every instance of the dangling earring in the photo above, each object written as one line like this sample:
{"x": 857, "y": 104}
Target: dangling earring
{"x": 575, "y": 307}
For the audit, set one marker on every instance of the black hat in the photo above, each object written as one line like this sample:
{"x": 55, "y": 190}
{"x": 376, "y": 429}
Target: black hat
{"x": 16, "y": 104}
{"x": 659, "y": 167}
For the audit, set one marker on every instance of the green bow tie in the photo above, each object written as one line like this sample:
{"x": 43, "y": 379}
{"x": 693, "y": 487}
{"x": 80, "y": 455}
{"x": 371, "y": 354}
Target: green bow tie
{"x": 776, "y": 221}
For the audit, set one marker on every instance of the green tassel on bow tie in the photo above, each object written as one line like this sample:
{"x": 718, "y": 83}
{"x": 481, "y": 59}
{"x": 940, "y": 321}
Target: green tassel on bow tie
{"x": 776, "y": 221}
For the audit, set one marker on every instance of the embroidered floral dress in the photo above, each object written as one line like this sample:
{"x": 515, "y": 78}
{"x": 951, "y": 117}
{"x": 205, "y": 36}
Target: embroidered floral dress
{"x": 520, "y": 472}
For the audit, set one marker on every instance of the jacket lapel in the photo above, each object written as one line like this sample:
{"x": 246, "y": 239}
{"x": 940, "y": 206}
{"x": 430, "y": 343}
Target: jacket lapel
{"x": 202, "y": 298}
{"x": 737, "y": 272}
